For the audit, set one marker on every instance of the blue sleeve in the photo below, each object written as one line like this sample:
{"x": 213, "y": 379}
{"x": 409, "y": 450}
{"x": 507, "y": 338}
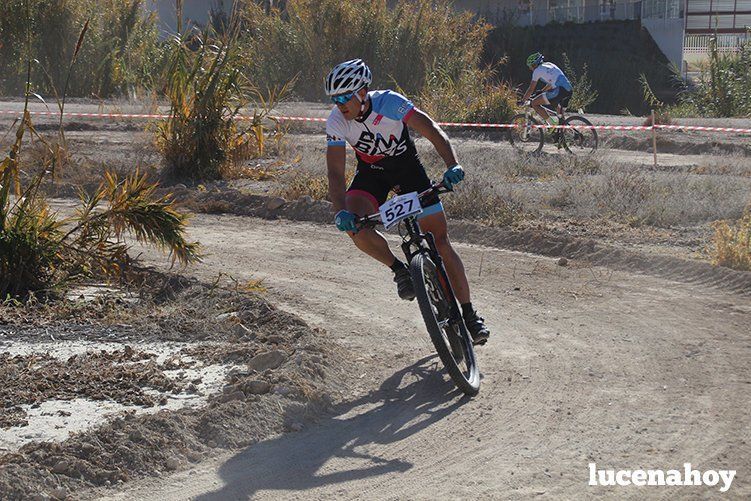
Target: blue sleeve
{"x": 392, "y": 105}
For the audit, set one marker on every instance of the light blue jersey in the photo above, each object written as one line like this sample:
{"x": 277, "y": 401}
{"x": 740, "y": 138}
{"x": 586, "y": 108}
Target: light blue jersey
{"x": 551, "y": 75}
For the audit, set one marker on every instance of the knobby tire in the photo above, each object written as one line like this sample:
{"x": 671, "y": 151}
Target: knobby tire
{"x": 574, "y": 139}
{"x": 432, "y": 299}
{"x": 533, "y": 143}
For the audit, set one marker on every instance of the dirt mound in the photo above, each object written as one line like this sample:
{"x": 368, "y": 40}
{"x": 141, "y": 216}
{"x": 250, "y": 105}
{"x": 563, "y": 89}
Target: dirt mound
{"x": 541, "y": 242}
{"x": 547, "y": 244}
{"x": 681, "y": 146}
{"x": 286, "y": 376}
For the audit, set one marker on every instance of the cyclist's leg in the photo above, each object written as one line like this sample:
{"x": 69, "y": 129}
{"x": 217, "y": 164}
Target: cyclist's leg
{"x": 412, "y": 177}
{"x": 565, "y": 99}
{"x": 364, "y": 195}
{"x": 537, "y": 106}
{"x": 436, "y": 224}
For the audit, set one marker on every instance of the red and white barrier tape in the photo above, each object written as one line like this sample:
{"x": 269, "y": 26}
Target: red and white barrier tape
{"x": 89, "y": 115}
{"x": 445, "y": 124}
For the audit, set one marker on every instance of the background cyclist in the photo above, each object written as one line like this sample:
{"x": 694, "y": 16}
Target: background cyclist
{"x": 376, "y": 124}
{"x": 557, "y": 90}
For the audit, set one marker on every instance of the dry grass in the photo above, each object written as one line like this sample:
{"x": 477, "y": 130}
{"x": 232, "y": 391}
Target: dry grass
{"x": 301, "y": 182}
{"x": 625, "y": 194}
{"x": 477, "y": 200}
{"x": 503, "y": 187}
{"x": 731, "y": 244}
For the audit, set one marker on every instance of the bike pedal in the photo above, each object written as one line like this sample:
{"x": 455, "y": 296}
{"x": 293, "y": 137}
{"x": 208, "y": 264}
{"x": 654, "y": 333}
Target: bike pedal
{"x": 480, "y": 342}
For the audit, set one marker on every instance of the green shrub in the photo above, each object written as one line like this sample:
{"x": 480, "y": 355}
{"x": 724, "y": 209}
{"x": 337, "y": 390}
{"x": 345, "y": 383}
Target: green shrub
{"x": 724, "y": 85}
{"x": 470, "y": 97}
{"x": 584, "y": 95}
{"x": 41, "y": 252}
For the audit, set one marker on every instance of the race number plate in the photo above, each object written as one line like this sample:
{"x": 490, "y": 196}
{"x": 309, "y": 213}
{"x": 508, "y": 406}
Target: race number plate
{"x": 398, "y": 208}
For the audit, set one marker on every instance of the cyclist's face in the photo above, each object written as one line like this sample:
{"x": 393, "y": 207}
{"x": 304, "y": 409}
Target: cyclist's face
{"x": 351, "y": 108}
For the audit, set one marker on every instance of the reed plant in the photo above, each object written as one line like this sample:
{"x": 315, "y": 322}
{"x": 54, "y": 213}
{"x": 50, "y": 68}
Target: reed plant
{"x": 207, "y": 88}
{"x": 42, "y": 252}
{"x": 122, "y": 51}
{"x": 403, "y": 42}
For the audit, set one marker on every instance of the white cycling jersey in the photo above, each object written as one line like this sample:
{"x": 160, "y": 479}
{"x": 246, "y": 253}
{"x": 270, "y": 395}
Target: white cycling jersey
{"x": 381, "y": 134}
{"x": 551, "y": 75}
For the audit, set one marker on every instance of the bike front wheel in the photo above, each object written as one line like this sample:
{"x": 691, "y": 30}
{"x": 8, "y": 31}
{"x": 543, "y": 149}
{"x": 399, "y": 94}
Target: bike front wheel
{"x": 581, "y": 138}
{"x": 449, "y": 335}
{"x": 524, "y": 136}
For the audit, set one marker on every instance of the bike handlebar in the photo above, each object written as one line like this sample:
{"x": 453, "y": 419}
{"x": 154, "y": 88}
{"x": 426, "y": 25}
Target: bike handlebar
{"x": 373, "y": 220}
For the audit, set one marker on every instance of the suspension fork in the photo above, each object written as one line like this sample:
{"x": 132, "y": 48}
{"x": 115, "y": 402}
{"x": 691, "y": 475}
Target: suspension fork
{"x": 443, "y": 278}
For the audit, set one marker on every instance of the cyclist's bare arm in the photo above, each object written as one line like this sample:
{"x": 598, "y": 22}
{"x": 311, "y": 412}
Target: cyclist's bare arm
{"x": 532, "y": 87}
{"x": 430, "y": 130}
{"x": 530, "y": 90}
{"x": 336, "y": 162}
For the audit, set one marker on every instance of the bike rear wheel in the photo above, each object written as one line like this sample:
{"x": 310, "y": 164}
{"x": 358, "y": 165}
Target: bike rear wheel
{"x": 450, "y": 337}
{"x": 523, "y": 136}
{"x": 581, "y": 139}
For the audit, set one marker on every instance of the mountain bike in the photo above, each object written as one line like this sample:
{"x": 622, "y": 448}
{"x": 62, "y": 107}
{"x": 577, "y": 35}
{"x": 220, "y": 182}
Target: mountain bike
{"x": 527, "y": 134}
{"x": 435, "y": 296}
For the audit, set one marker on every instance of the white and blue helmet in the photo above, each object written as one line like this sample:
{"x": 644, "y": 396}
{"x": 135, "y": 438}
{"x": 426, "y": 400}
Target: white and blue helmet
{"x": 348, "y": 76}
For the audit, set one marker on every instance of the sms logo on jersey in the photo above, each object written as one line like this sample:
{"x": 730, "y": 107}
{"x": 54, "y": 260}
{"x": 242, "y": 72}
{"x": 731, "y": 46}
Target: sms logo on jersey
{"x": 376, "y": 145}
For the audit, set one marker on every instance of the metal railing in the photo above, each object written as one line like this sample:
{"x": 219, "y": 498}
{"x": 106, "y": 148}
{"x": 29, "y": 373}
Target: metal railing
{"x": 661, "y": 9}
{"x": 699, "y": 44}
{"x": 579, "y": 13}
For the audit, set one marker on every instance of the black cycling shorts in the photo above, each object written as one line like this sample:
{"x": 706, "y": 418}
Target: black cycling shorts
{"x": 559, "y": 95}
{"x": 375, "y": 182}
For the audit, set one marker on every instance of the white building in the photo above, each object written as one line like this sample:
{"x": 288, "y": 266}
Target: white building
{"x": 681, "y": 28}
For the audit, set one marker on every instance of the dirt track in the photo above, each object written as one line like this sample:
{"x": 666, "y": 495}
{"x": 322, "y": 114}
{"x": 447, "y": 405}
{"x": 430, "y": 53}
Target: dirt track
{"x": 585, "y": 365}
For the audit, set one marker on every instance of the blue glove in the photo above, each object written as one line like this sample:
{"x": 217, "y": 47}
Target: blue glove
{"x": 345, "y": 221}
{"x": 453, "y": 176}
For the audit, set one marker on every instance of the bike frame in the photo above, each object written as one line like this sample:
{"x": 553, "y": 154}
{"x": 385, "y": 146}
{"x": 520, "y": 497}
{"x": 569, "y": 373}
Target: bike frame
{"x": 416, "y": 242}
{"x": 530, "y": 111}
{"x": 560, "y": 114}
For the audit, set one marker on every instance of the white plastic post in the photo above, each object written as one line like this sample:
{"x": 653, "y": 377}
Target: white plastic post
{"x": 654, "y": 138}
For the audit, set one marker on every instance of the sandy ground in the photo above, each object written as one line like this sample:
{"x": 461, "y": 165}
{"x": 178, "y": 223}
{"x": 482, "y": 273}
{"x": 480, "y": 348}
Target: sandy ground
{"x": 585, "y": 365}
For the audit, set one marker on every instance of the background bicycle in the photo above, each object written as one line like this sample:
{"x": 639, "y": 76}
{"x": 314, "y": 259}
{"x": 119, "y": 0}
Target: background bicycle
{"x": 575, "y": 133}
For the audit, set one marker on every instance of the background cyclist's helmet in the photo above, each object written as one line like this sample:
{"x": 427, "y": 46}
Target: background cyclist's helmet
{"x": 348, "y": 76}
{"x": 535, "y": 59}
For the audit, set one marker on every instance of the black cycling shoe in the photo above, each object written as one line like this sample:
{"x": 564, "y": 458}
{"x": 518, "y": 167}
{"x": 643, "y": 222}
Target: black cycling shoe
{"x": 476, "y": 327}
{"x": 404, "y": 284}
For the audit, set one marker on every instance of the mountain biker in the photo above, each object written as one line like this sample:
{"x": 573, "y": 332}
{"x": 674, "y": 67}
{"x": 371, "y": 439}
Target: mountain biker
{"x": 557, "y": 91}
{"x": 375, "y": 124}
